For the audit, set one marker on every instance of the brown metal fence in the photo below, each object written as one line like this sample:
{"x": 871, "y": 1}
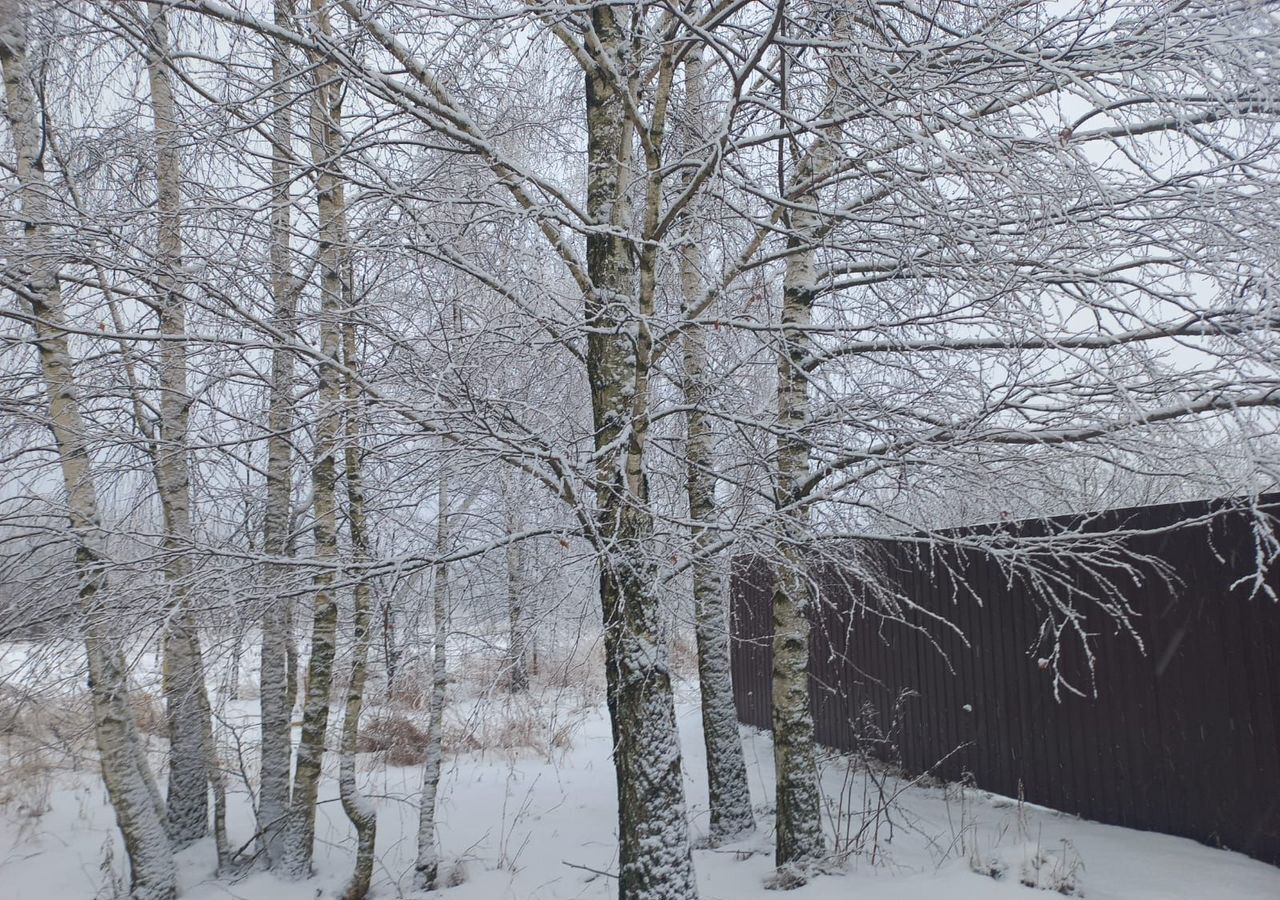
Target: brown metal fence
{"x": 1179, "y": 734}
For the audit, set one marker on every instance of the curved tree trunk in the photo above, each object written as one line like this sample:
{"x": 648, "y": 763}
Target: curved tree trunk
{"x": 358, "y": 808}
{"x": 124, "y": 768}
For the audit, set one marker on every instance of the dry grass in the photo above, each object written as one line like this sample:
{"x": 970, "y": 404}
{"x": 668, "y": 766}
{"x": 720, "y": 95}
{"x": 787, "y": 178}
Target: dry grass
{"x": 482, "y": 716}
{"x": 40, "y": 736}
{"x": 539, "y": 722}
{"x": 412, "y": 688}
{"x": 505, "y": 724}
{"x": 581, "y": 671}
{"x": 395, "y": 737}
{"x": 148, "y": 713}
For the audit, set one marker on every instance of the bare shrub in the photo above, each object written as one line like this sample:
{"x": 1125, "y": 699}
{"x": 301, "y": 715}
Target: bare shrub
{"x": 866, "y": 812}
{"x": 788, "y": 877}
{"x": 483, "y": 671}
{"x": 456, "y": 875}
{"x": 61, "y": 721}
{"x": 396, "y": 737}
{"x": 581, "y": 669}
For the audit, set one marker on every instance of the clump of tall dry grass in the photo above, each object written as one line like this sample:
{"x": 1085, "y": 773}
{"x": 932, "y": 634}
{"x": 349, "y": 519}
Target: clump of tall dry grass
{"x": 40, "y": 736}
{"x": 394, "y": 737}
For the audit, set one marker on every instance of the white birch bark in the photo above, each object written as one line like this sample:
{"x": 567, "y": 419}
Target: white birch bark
{"x": 427, "y": 865}
{"x": 799, "y": 836}
{"x": 325, "y": 125}
{"x": 517, "y": 604}
{"x": 728, "y": 791}
{"x": 799, "y": 824}
{"x": 277, "y": 672}
{"x": 359, "y": 808}
{"x": 653, "y": 832}
{"x": 187, "y": 708}
{"x": 124, "y": 767}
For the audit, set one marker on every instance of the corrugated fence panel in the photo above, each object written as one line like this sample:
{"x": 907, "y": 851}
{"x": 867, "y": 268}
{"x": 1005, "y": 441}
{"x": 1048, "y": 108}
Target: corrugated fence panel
{"x": 1175, "y": 731}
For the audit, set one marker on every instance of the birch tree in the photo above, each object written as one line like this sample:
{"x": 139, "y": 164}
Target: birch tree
{"x": 326, "y": 137}
{"x": 134, "y": 797}
{"x": 518, "y": 611}
{"x": 1008, "y": 296}
{"x": 359, "y": 809}
{"x": 186, "y": 695}
{"x": 730, "y": 795}
{"x": 427, "y": 865}
{"x": 277, "y": 672}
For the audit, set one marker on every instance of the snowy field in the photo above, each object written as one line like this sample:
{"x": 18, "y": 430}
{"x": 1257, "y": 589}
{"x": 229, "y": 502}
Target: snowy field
{"x": 532, "y": 817}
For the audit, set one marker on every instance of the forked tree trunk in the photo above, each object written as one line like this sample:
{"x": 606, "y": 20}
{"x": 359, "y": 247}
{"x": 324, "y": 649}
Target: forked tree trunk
{"x": 124, "y": 768}
{"x": 653, "y": 832}
{"x": 728, "y": 791}
{"x": 325, "y": 122}
{"x": 187, "y": 709}
{"x": 278, "y": 672}
{"x": 427, "y": 865}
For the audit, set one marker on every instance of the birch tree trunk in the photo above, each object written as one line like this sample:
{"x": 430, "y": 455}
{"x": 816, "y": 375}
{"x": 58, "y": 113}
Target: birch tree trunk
{"x": 799, "y": 822}
{"x": 427, "y": 865}
{"x": 186, "y": 696}
{"x": 799, "y": 802}
{"x": 358, "y": 808}
{"x": 653, "y": 832}
{"x": 124, "y": 769}
{"x": 728, "y": 791}
{"x": 326, "y": 117}
{"x": 390, "y": 649}
{"x": 517, "y": 612}
{"x": 277, "y": 674}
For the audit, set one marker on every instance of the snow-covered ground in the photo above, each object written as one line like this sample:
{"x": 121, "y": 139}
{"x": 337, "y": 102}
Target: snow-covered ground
{"x": 539, "y": 823}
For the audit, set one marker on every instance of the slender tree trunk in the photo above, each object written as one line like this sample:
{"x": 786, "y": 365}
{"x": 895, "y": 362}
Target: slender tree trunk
{"x": 326, "y": 117}
{"x": 427, "y": 866}
{"x": 729, "y": 793}
{"x": 390, "y": 651}
{"x": 358, "y": 807}
{"x": 186, "y": 695}
{"x": 278, "y": 667}
{"x": 799, "y": 812}
{"x": 653, "y": 832}
{"x": 799, "y": 805}
{"x": 124, "y": 769}
{"x": 517, "y": 613}
{"x": 143, "y": 427}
